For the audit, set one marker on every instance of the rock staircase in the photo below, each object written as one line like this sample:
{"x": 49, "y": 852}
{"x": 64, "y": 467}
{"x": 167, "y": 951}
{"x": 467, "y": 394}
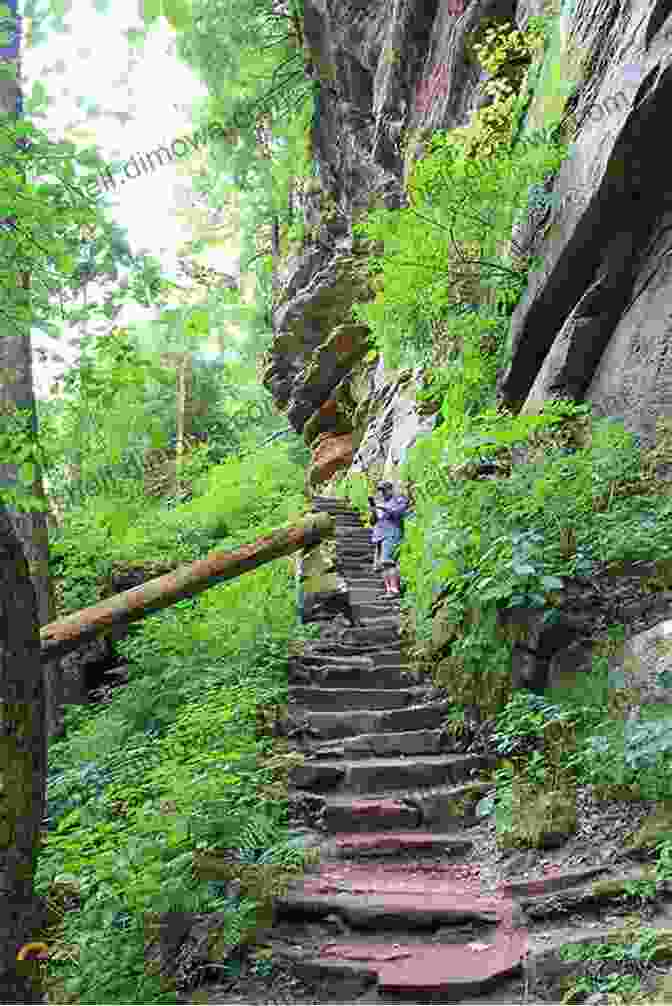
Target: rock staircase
{"x": 405, "y": 906}
{"x": 408, "y": 921}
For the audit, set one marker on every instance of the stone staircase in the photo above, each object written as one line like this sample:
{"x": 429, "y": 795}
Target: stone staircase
{"x": 405, "y": 906}
{"x": 407, "y": 919}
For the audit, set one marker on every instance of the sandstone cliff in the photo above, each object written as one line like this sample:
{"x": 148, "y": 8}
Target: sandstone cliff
{"x": 592, "y": 324}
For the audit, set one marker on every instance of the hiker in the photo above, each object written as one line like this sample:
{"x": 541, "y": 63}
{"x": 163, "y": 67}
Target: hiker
{"x": 387, "y": 516}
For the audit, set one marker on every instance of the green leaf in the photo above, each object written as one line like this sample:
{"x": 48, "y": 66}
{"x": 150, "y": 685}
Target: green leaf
{"x": 59, "y": 8}
{"x": 27, "y": 472}
{"x": 552, "y": 582}
{"x": 485, "y": 806}
{"x": 73, "y": 817}
{"x": 150, "y": 10}
{"x": 38, "y": 95}
{"x": 177, "y": 13}
{"x": 135, "y": 36}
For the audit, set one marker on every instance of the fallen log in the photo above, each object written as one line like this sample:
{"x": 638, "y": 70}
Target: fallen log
{"x": 67, "y": 634}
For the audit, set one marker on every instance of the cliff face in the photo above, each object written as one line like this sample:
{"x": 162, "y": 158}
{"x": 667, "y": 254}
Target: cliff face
{"x": 592, "y": 324}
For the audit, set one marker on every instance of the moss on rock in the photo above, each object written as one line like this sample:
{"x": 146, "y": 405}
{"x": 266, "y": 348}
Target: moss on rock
{"x": 539, "y": 819}
{"x": 655, "y": 828}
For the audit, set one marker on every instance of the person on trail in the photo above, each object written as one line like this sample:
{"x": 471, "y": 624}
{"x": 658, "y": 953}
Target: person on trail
{"x": 387, "y": 516}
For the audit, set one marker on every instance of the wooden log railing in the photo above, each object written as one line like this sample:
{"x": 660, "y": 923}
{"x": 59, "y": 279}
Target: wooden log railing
{"x": 67, "y": 634}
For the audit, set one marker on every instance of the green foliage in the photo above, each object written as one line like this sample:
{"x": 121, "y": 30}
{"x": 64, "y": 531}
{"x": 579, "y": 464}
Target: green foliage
{"x": 54, "y": 233}
{"x": 107, "y": 533}
{"x": 635, "y": 947}
{"x": 525, "y": 718}
{"x": 175, "y": 763}
{"x": 442, "y": 276}
{"x": 628, "y": 756}
{"x": 250, "y": 57}
{"x": 506, "y": 52}
{"x": 484, "y": 545}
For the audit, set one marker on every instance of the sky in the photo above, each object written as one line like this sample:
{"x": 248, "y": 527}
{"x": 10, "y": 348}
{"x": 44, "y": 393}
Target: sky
{"x": 144, "y": 99}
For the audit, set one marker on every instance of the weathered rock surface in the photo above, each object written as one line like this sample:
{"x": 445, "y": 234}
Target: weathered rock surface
{"x": 593, "y": 322}
{"x": 591, "y": 325}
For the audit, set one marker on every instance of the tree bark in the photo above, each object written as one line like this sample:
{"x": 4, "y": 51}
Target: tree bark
{"x": 16, "y": 392}
{"x": 31, "y": 528}
{"x": 67, "y": 634}
{"x": 184, "y": 423}
{"x": 23, "y": 764}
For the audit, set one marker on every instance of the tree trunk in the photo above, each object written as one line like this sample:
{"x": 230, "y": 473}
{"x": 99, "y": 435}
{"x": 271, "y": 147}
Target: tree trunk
{"x": 31, "y": 528}
{"x": 275, "y": 253}
{"x": 67, "y": 634}
{"x": 23, "y": 764}
{"x": 16, "y": 392}
{"x": 184, "y": 416}
{"x": 23, "y": 748}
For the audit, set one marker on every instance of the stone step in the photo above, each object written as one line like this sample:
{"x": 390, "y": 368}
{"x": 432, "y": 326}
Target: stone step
{"x": 447, "y": 808}
{"x": 362, "y": 583}
{"x": 408, "y": 742}
{"x": 339, "y": 511}
{"x": 382, "y": 608}
{"x": 387, "y": 619}
{"x": 396, "y": 844}
{"x": 343, "y": 517}
{"x": 318, "y": 500}
{"x": 344, "y": 677}
{"x": 383, "y": 775}
{"x": 333, "y": 653}
{"x": 372, "y": 596}
{"x": 352, "y": 661}
{"x": 351, "y": 571}
{"x": 342, "y": 506}
{"x": 386, "y": 654}
{"x": 380, "y": 896}
{"x": 415, "y": 972}
{"x": 341, "y": 514}
{"x": 366, "y": 575}
{"x": 348, "y": 814}
{"x": 335, "y": 699}
{"x": 334, "y": 725}
{"x": 388, "y": 632}
{"x": 371, "y": 580}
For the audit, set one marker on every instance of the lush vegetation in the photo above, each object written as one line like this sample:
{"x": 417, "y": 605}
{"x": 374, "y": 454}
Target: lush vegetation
{"x": 175, "y": 762}
{"x": 568, "y": 493}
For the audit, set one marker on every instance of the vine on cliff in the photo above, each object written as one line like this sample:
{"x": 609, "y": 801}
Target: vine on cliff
{"x": 507, "y": 53}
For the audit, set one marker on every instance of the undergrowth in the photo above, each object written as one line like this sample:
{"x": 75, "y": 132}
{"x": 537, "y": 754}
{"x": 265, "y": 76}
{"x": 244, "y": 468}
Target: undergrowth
{"x": 564, "y": 492}
{"x": 175, "y": 762}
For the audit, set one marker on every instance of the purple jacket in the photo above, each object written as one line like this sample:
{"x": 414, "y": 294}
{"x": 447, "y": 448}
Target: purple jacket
{"x": 390, "y": 523}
